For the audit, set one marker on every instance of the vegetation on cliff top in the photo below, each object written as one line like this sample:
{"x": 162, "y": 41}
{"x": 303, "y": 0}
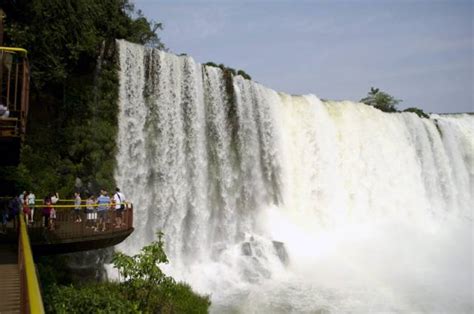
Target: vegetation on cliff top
{"x": 229, "y": 70}
{"x": 387, "y": 103}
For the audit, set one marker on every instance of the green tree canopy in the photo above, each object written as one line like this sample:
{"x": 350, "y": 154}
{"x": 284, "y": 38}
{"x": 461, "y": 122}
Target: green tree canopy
{"x": 381, "y": 100}
{"x": 64, "y": 36}
{"x": 72, "y": 122}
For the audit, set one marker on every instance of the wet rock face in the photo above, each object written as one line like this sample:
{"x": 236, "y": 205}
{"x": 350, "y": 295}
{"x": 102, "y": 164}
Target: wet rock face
{"x": 281, "y": 252}
{"x": 279, "y": 249}
{"x": 246, "y": 249}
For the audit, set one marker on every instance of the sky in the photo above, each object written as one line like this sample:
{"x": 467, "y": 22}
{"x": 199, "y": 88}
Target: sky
{"x": 418, "y": 51}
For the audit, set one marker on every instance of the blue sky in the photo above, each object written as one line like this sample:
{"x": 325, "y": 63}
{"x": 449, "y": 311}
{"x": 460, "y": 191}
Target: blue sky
{"x": 418, "y": 51}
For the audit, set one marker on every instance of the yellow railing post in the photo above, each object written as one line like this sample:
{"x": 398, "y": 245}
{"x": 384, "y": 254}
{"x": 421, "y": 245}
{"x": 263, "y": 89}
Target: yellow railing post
{"x": 31, "y": 293}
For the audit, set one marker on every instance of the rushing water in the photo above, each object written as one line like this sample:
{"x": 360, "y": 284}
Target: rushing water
{"x": 275, "y": 203}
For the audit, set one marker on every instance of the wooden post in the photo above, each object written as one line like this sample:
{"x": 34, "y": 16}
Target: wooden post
{"x": 2, "y": 16}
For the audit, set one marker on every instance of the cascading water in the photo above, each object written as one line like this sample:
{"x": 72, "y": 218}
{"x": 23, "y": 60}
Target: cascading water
{"x": 277, "y": 203}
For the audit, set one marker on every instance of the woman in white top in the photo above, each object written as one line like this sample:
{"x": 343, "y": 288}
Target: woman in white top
{"x": 119, "y": 200}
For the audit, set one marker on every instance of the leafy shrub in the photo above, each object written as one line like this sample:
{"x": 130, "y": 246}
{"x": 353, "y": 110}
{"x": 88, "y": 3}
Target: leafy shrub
{"x": 232, "y": 71}
{"x": 144, "y": 287}
{"x": 418, "y": 111}
{"x": 381, "y": 100}
{"x": 89, "y": 298}
{"x": 144, "y": 282}
{"x": 244, "y": 74}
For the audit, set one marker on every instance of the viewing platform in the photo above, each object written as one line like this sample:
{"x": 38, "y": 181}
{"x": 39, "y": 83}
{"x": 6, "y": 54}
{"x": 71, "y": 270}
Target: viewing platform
{"x": 20, "y": 241}
{"x": 71, "y": 236}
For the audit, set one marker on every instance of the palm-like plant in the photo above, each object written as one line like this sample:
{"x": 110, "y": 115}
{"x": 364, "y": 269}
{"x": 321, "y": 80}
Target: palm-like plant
{"x": 381, "y": 100}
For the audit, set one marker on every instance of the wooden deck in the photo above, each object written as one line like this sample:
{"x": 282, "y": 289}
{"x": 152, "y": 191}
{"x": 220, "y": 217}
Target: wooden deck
{"x": 69, "y": 236}
{"x": 10, "y": 289}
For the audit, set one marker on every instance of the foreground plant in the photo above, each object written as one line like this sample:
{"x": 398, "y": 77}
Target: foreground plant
{"x": 143, "y": 288}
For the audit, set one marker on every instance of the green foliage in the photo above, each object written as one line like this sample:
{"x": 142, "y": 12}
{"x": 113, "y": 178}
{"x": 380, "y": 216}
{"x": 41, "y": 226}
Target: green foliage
{"x": 64, "y": 36}
{"x": 144, "y": 281}
{"x": 211, "y": 64}
{"x": 88, "y": 298}
{"x": 72, "y": 123}
{"x": 244, "y": 75}
{"x": 230, "y": 70}
{"x": 142, "y": 269}
{"x": 381, "y": 100}
{"x": 53, "y": 270}
{"x": 418, "y": 111}
{"x": 144, "y": 288}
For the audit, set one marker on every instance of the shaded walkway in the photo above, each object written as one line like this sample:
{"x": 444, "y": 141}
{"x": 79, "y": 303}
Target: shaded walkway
{"x": 10, "y": 289}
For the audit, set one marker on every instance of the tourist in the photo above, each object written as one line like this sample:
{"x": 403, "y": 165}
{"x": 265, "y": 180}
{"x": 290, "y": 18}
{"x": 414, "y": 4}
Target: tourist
{"x": 103, "y": 202}
{"x": 119, "y": 200}
{"x": 77, "y": 207}
{"x": 26, "y": 207}
{"x": 31, "y": 204}
{"x": 47, "y": 208}
{"x": 52, "y": 218}
{"x": 90, "y": 212}
{"x": 14, "y": 206}
{"x": 54, "y": 198}
{"x": 4, "y": 112}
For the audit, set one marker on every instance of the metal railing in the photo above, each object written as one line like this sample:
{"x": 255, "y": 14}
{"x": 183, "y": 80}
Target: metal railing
{"x": 92, "y": 222}
{"x": 30, "y": 298}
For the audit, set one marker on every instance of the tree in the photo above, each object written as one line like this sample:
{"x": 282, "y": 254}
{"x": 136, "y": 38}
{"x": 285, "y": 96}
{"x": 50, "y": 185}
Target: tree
{"x": 381, "y": 100}
{"x": 72, "y": 123}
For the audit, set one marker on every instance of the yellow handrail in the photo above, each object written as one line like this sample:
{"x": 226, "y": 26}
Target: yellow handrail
{"x": 14, "y": 49}
{"x": 32, "y": 284}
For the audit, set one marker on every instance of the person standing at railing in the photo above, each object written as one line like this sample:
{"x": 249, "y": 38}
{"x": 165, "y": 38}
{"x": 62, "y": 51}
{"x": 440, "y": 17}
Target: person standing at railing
{"x": 52, "y": 217}
{"x": 77, "y": 207}
{"x": 14, "y": 207}
{"x": 119, "y": 199}
{"x": 54, "y": 198}
{"x": 103, "y": 202}
{"x": 90, "y": 212}
{"x": 47, "y": 208}
{"x": 26, "y": 208}
{"x": 31, "y": 204}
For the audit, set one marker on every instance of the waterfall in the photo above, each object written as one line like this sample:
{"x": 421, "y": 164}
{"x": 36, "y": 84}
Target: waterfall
{"x": 279, "y": 203}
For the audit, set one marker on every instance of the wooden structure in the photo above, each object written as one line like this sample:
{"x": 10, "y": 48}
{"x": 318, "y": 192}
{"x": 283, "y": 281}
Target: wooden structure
{"x": 19, "y": 286}
{"x": 14, "y": 99}
{"x": 70, "y": 236}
